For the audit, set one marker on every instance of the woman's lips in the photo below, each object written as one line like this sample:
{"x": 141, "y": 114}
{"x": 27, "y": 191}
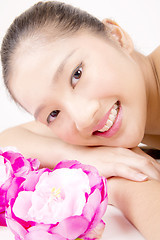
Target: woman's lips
{"x": 102, "y": 129}
{"x": 103, "y": 121}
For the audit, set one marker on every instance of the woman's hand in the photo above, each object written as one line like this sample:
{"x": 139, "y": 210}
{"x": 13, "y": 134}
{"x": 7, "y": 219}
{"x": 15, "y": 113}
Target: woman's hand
{"x": 131, "y": 164}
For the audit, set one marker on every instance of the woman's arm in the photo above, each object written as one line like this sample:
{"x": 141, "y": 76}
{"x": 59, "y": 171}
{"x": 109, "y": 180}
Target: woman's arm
{"x": 36, "y": 140}
{"x": 140, "y": 203}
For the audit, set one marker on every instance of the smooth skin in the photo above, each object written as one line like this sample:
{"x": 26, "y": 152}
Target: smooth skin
{"x": 139, "y": 201}
{"x": 109, "y": 74}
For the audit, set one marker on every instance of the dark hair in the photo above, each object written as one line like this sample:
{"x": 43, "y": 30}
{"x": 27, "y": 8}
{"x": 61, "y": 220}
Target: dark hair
{"x": 51, "y": 19}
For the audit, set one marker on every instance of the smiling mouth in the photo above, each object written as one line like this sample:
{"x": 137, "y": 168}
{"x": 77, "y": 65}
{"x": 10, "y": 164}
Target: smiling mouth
{"x": 111, "y": 118}
{"x": 111, "y": 122}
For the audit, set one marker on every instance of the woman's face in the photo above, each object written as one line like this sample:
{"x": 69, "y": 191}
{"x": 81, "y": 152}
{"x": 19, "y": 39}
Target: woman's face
{"x": 86, "y": 90}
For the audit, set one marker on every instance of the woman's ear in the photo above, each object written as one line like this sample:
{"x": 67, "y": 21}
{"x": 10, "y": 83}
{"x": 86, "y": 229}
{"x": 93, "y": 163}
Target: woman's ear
{"x": 118, "y": 35}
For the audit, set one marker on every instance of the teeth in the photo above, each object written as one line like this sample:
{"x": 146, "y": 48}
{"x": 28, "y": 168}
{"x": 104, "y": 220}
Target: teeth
{"x": 115, "y": 106}
{"x": 114, "y": 111}
{"x": 109, "y": 123}
{"x": 111, "y": 118}
{"x": 105, "y": 128}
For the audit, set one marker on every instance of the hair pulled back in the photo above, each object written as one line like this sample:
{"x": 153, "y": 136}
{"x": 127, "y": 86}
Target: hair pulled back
{"x": 48, "y": 18}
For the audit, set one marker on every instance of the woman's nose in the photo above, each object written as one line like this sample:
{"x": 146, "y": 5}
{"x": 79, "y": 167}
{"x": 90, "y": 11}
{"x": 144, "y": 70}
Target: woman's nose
{"x": 82, "y": 112}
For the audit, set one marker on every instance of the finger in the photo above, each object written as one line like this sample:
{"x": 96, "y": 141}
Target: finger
{"x": 140, "y": 164}
{"x": 146, "y": 164}
{"x": 150, "y": 168}
{"x": 157, "y": 165}
{"x": 124, "y": 171}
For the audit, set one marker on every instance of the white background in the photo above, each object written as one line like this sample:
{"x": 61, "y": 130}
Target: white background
{"x": 140, "y": 18}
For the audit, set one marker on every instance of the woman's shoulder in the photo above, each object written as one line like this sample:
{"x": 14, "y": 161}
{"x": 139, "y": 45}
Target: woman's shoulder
{"x": 156, "y": 56}
{"x": 153, "y": 141}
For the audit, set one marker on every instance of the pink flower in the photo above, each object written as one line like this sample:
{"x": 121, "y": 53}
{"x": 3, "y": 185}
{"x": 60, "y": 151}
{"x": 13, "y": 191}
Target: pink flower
{"x": 12, "y": 164}
{"x": 64, "y": 204}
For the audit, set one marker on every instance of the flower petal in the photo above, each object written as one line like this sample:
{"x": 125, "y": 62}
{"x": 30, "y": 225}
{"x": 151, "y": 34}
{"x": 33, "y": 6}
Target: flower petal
{"x": 72, "y": 227}
{"x": 22, "y": 204}
{"x": 35, "y": 163}
{"x": 13, "y": 189}
{"x": 2, "y": 219}
{"x": 17, "y": 229}
{"x": 32, "y": 179}
{"x": 95, "y": 233}
{"x": 41, "y": 226}
{"x": 75, "y": 164}
{"x": 92, "y": 204}
{"x": 42, "y": 235}
{"x": 65, "y": 164}
{"x": 99, "y": 214}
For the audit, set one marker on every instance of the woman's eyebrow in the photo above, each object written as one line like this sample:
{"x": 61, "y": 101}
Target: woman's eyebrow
{"x": 56, "y": 76}
{"x": 62, "y": 65}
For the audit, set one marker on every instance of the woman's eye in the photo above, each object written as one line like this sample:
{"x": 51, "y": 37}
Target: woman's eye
{"x": 76, "y": 75}
{"x": 52, "y": 116}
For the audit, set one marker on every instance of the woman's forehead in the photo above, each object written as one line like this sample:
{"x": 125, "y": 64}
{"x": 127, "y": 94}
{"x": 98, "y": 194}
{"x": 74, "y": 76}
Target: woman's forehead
{"x": 31, "y": 47}
{"x": 35, "y": 64}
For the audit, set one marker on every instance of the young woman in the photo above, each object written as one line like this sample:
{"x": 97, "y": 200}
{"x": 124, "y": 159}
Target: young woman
{"x": 83, "y": 79}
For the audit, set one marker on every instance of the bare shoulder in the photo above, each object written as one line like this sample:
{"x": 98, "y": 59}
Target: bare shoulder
{"x": 152, "y": 141}
{"x": 155, "y": 55}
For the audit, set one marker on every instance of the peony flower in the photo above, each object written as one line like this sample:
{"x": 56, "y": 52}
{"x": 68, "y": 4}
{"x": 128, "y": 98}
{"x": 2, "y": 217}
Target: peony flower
{"x": 12, "y": 164}
{"x": 64, "y": 204}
